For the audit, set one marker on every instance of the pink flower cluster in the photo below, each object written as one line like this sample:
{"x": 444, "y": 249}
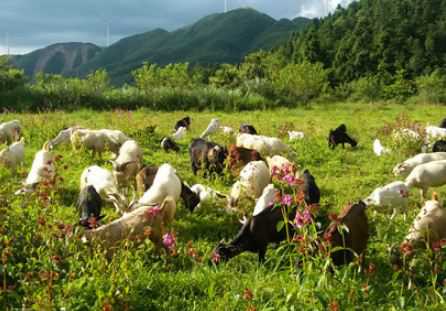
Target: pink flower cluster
{"x": 169, "y": 241}
{"x": 153, "y": 212}
{"x": 303, "y": 218}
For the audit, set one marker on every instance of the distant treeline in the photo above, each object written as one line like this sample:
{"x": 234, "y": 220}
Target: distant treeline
{"x": 371, "y": 51}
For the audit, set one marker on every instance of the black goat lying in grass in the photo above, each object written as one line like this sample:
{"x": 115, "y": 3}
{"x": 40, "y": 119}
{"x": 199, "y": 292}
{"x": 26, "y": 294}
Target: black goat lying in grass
{"x": 439, "y": 146}
{"x": 340, "y": 136}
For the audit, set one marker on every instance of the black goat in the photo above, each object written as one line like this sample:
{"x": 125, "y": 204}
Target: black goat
{"x": 255, "y": 235}
{"x": 89, "y": 205}
{"x": 248, "y": 129}
{"x": 185, "y": 122}
{"x": 169, "y": 144}
{"x": 439, "y": 146}
{"x": 311, "y": 190}
{"x": 340, "y": 136}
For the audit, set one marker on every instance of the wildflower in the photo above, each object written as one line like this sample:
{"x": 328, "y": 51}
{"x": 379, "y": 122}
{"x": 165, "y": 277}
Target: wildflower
{"x": 334, "y": 306}
{"x": 290, "y": 179}
{"x": 303, "y": 218}
{"x": 275, "y": 171}
{"x": 191, "y": 251}
{"x": 287, "y": 200}
{"x": 438, "y": 245}
{"x": 299, "y": 197}
{"x": 406, "y": 248}
{"x": 169, "y": 241}
{"x": 107, "y": 307}
{"x": 147, "y": 231}
{"x": 153, "y": 212}
{"x": 371, "y": 269}
{"x": 216, "y": 258}
{"x": 247, "y": 294}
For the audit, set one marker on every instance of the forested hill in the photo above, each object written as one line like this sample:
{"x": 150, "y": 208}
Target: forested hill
{"x": 372, "y": 37}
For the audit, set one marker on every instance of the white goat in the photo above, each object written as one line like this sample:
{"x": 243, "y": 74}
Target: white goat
{"x": 13, "y": 155}
{"x": 379, "y": 149}
{"x": 63, "y": 137}
{"x": 98, "y": 140}
{"x": 146, "y": 220}
{"x": 180, "y": 133}
{"x": 393, "y": 195}
{"x": 105, "y": 185}
{"x": 434, "y": 133}
{"x": 429, "y": 225}
{"x": 43, "y": 169}
{"x": 212, "y": 128}
{"x": 10, "y": 131}
{"x": 254, "y": 177}
{"x": 404, "y": 168}
{"x": 165, "y": 184}
{"x": 427, "y": 175}
{"x": 265, "y": 145}
{"x": 128, "y": 163}
{"x": 266, "y": 199}
{"x": 228, "y": 131}
{"x": 206, "y": 194}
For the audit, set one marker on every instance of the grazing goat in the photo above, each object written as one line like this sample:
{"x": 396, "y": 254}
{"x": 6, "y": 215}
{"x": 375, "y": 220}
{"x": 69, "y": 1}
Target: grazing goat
{"x": 228, "y": 131}
{"x": 254, "y": 177}
{"x": 258, "y": 231}
{"x": 439, "y": 146}
{"x": 179, "y": 134}
{"x": 63, "y": 137}
{"x": 43, "y": 169}
{"x": 185, "y": 122}
{"x": 434, "y": 133}
{"x": 206, "y": 194}
{"x": 165, "y": 183}
{"x": 147, "y": 220}
{"x": 247, "y": 129}
{"x": 427, "y": 175}
{"x": 207, "y": 155}
{"x": 312, "y": 193}
{"x": 105, "y": 185}
{"x": 89, "y": 206}
{"x": 238, "y": 157}
{"x": 354, "y": 239}
{"x": 145, "y": 178}
{"x": 10, "y": 131}
{"x": 395, "y": 195}
{"x": 379, "y": 149}
{"x": 428, "y": 228}
{"x": 212, "y": 128}
{"x": 98, "y": 140}
{"x": 128, "y": 163}
{"x": 266, "y": 146}
{"x": 13, "y": 155}
{"x": 404, "y": 168}
{"x": 168, "y": 144}
{"x": 340, "y": 136}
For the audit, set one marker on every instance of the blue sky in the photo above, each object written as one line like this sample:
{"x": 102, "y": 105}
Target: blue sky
{"x": 32, "y": 24}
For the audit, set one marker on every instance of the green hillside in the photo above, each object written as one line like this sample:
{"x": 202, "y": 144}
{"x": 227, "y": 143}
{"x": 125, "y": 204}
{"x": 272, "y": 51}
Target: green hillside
{"x": 379, "y": 37}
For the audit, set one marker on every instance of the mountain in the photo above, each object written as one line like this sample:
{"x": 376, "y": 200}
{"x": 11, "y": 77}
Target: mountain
{"x": 379, "y": 37}
{"x": 214, "y": 39}
{"x": 60, "y": 58}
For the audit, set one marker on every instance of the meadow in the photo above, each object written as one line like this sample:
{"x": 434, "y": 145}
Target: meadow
{"x": 45, "y": 266}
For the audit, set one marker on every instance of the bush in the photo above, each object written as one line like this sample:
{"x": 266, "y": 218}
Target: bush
{"x": 432, "y": 88}
{"x": 401, "y": 88}
{"x": 367, "y": 88}
{"x": 10, "y": 78}
{"x": 301, "y": 82}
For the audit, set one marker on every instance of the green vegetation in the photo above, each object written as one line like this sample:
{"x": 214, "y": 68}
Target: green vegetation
{"x": 48, "y": 267}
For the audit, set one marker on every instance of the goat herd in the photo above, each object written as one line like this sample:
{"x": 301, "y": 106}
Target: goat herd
{"x": 253, "y": 161}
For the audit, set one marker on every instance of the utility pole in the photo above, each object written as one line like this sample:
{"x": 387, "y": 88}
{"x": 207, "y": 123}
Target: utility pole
{"x": 7, "y": 44}
{"x": 107, "y": 34}
{"x": 226, "y": 6}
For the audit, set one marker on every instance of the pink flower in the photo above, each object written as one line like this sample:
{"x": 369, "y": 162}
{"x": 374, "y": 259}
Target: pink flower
{"x": 287, "y": 200}
{"x": 290, "y": 179}
{"x": 153, "y": 212}
{"x": 216, "y": 258}
{"x": 169, "y": 241}
{"x": 303, "y": 218}
{"x": 275, "y": 171}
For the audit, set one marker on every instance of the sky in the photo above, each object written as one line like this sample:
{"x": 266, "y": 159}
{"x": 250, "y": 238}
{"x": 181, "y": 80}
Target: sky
{"x": 31, "y": 24}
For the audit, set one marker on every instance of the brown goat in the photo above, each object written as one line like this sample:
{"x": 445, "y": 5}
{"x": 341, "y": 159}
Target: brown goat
{"x": 238, "y": 157}
{"x": 352, "y": 241}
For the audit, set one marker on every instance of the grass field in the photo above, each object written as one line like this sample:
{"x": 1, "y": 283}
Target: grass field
{"x": 50, "y": 269}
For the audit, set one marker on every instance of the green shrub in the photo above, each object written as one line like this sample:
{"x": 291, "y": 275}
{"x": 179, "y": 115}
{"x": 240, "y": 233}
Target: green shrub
{"x": 367, "y": 88}
{"x": 432, "y": 88}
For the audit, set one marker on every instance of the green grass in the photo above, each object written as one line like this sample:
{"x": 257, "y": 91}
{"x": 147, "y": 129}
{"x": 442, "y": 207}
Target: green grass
{"x": 137, "y": 279}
